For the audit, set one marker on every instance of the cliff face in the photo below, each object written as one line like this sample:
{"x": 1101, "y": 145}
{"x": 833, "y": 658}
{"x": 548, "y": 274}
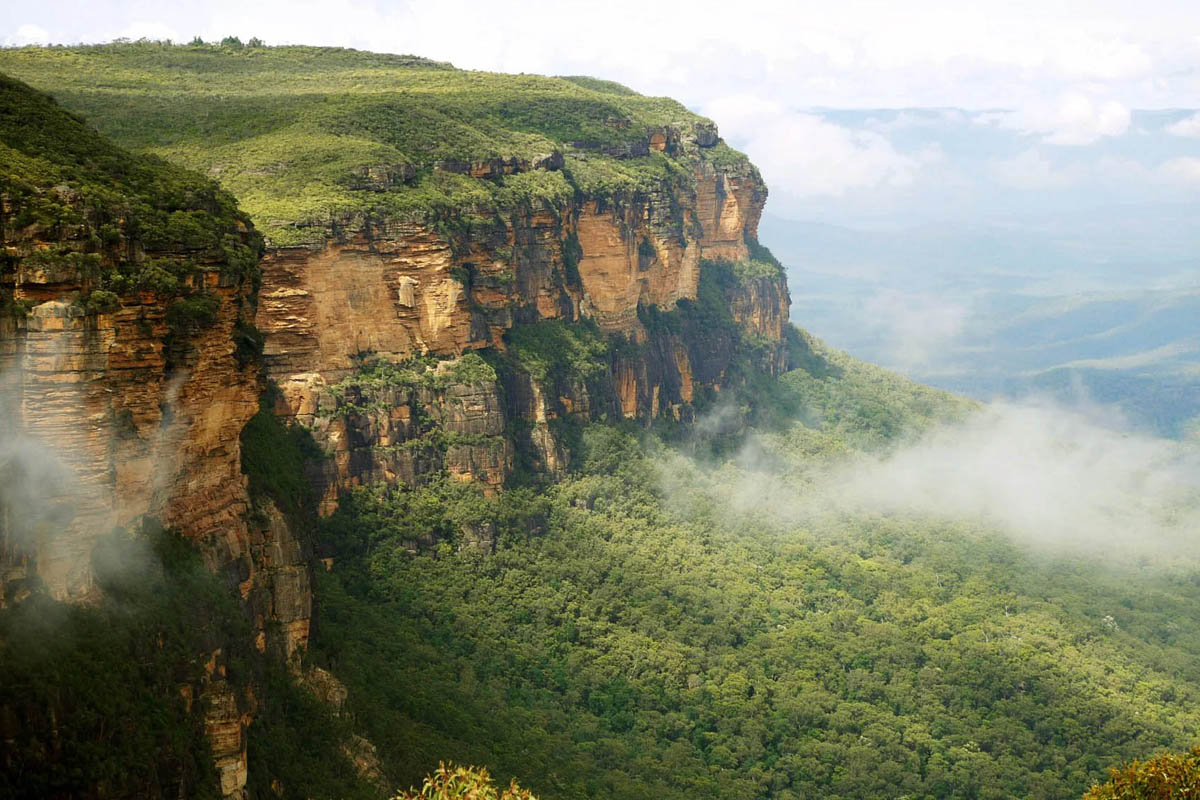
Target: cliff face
{"x": 125, "y": 289}
{"x": 140, "y": 428}
{"x": 382, "y": 292}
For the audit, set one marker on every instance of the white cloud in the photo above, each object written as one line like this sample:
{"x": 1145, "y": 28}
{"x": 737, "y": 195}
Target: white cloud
{"x": 1083, "y": 57}
{"x": 28, "y": 34}
{"x": 1054, "y": 477}
{"x": 857, "y": 53}
{"x": 1030, "y": 170}
{"x": 804, "y": 155}
{"x": 1073, "y": 120}
{"x": 1188, "y": 126}
{"x": 1184, "y": 168}
{"x": 1048, "y": 474}
{"x": 917, "y": 328}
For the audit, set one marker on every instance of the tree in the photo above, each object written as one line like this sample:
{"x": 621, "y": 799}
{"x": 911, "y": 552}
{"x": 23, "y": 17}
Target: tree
{"x": 449, "y": 782}
{"x": 1171, "y": 775}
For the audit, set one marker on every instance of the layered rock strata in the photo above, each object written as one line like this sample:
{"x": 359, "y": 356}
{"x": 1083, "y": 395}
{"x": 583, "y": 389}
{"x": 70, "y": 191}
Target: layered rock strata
{"x": 383, "y": 291}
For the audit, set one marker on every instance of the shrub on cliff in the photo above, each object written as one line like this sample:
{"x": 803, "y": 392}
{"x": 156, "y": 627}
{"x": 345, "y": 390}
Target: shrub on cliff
{"x": 557, "y": 350}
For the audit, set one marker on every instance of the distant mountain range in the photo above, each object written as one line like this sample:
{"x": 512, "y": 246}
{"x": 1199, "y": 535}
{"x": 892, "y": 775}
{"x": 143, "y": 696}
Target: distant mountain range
{"x": 1012, "y": 311}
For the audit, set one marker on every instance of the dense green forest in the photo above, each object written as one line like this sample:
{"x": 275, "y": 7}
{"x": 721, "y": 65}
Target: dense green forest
{"x": 90, "y": 696}
{"x": 632, "y": 637}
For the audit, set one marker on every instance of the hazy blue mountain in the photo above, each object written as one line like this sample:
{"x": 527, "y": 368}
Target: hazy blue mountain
{"x": 1010, "y": 311}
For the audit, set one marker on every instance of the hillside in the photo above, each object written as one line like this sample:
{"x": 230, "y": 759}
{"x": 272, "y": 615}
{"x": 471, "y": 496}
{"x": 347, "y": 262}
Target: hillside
{"x": 650, "y": 628}
{"x": 307, "y": 136}
{"x": 503, "y": 452}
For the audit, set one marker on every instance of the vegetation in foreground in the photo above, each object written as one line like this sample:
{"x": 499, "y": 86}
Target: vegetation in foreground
{"x": 449, "y": 782}
{"x": 1171, "y": 776}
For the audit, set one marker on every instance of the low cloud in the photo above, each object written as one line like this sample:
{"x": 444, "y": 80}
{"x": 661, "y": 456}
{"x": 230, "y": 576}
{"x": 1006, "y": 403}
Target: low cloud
{"x": 918, "y": 328}
{"x": 1045, "y": 474}
{"x": 1063, "y": 479}
{"x": 808, "y": 156}
{"x": 1074, "y": 120}
{"x": 35, "y": 492}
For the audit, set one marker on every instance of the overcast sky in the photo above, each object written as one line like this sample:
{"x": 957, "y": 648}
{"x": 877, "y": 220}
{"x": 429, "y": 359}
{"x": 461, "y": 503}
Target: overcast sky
{"x": 1061, "y": 78}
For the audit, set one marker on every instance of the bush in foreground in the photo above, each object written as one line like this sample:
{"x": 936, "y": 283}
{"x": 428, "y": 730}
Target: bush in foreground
{"x": 1171, "y": 775}
{"x": 449, "y": 782}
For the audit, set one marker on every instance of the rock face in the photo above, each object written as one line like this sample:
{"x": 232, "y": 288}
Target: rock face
{"x": 382, "y": 292}
{"x": 396, "y": 425}
{"x": 125, "y": 288}
{"x": 137, "y": 427}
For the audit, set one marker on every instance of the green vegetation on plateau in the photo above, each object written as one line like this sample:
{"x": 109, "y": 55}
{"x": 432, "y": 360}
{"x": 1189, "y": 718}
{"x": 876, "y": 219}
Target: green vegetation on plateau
{"x": 305, "y": 136}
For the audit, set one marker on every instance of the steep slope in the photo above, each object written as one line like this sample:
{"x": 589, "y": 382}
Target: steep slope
{"x": 126, "y": 378}
{"x": 413, "y": 210}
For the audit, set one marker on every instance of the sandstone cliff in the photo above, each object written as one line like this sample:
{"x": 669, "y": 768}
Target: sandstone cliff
{"x": 126, "y": 288}
{"x": 378, "y": 291}
{"x": 419, "y": 210}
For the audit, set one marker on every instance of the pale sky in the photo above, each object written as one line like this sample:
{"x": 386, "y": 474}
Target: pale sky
{"x": 1057, "y": 75}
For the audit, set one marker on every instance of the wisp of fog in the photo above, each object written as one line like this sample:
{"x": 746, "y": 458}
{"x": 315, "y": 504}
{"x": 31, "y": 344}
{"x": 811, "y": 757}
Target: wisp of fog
{"x": 1064, "y": 479}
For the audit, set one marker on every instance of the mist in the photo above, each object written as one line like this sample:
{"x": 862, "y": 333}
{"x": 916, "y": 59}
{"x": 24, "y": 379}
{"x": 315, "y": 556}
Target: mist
{"x": 34, "y": 491}
{"x": 1061, "y": 479}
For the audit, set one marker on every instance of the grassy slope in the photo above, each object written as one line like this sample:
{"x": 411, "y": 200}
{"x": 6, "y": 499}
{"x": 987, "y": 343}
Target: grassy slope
{"x": 287, "y": 129}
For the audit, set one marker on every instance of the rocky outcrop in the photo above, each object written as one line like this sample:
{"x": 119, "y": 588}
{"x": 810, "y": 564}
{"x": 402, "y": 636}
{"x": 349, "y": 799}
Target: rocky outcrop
{"x": 390, "y": 292}
{"x": 142, "y": 420}
{"x": 760, "y": 306}
{"x": 396, "y": 425}
{"x": 398, "y": 290}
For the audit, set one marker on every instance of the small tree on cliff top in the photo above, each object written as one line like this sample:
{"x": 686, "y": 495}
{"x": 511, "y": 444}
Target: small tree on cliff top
{"x": 449, "y": 782}
{"x": 1167, "y": 777}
